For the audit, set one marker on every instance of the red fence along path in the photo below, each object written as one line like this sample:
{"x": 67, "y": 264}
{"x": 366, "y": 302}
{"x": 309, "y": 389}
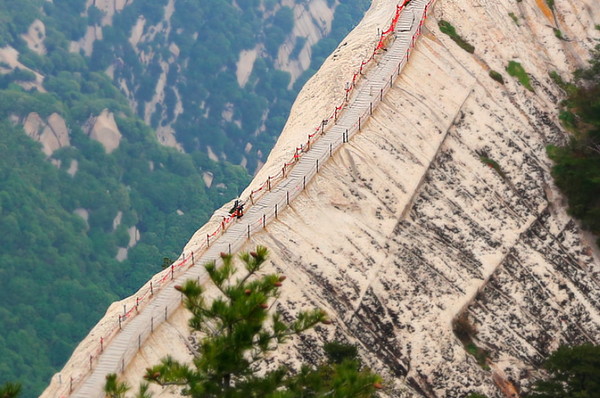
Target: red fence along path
{"x": 114, "y": 350}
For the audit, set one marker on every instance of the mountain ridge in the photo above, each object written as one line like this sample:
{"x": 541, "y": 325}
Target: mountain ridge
{"x": 397, "y": 237}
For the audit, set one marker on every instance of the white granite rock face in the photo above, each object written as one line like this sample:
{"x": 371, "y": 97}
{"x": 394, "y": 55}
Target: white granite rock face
{"x": 104, "y": 129}
{"x": 405, "y": 227}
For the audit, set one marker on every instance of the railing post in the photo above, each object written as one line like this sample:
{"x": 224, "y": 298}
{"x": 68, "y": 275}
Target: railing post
{"x": 371, "y": 108}
{"x": 101, "y": 344}
{"x": 172, "y": 272}
{"x": 119, "y": 322}
{"x": 165, "y": 312}
{"x": 193, "y": 261}
{"x": 381, "y": 95}
{"x": 151, "y": 289}
{"x": 71, "y": 385}
{"x": 269, "y": 182}
{"x": 91, "y": 359}
{"x": 304, "y": 182}
{"x": 275, "y": 210}
{"x": 317, "y": 165}
{"x": 330, "y": 150}
{"x": 248, "y": 231}
{"x": 152, "y": 324}
{"x": 287, "y": 197}
{"x": 264, "y": 221}
{"x": 207, "y": 240}
{"x": 359, "y": 127}
{"x": 230, "y": 248}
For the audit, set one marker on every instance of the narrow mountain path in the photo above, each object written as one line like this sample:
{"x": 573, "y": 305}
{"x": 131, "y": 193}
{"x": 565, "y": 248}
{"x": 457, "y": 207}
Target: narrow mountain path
{"x": 126, "y": 343}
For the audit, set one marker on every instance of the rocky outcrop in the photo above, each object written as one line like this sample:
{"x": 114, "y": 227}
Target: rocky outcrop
{"x": 35, "y": 37}
{"x": 52, "y": 134}
{"x": 86, "y": 43}
{"x": 110, "y": 7}
{"x": 103, "y": 129}
{"x": 312, "y": 21}
{"x": 10, "y": 57}
{"x": 407, "y": 226}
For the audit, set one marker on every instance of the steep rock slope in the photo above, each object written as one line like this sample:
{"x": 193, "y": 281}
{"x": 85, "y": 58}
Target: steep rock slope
{"x": 406, "y": 227}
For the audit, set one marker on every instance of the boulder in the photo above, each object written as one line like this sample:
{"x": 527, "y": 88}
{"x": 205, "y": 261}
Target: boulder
{"x": 103, "y": 129}
{"x": 53, "y": 134}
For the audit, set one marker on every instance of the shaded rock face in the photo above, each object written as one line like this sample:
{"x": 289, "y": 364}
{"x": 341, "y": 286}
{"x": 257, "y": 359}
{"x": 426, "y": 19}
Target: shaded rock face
{"x": 406, "y": 228}
{"x": 52, "y": 134}
{"x": 35, "y": 37}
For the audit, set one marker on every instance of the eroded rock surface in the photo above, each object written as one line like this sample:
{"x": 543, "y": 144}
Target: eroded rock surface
{"x": 53, "y": 134}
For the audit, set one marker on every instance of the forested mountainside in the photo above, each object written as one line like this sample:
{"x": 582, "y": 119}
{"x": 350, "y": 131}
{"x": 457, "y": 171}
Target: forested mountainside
{"x": 217, "y": 76}
{"x": 90, "y": 201}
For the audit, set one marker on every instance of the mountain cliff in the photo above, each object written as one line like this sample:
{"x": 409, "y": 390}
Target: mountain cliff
{"x": 440, "y": 215}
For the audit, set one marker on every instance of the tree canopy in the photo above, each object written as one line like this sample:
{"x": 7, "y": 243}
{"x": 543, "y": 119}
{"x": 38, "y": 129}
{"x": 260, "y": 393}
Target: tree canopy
{"x": 577, "y": 166}
{"x": 574, "y": 372}
{"x": 238, "y": 329}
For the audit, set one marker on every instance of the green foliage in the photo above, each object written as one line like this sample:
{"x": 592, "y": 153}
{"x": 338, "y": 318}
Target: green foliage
{"x": 558, "y": 33}
{"x": 167, "y": 262}
{"x": 493, "y": 164}
{"x": 10, "y": 390}
{"x": 114, "y": 388}
{"x": 479, "y": 354}
{"x": 572, "y": 372}
{"x": 476, "y": 395}
{"x": 338, "y": 352}
{"x": 550, "y": 4}
{"x": 514, "y": 18}
{"x": 496, "y": 76}
{"x": 95, "y": 15}
{"x": 577, "y": 166}
{"x": 298, "y": 46}
{"x": 448, "y": 29}
{"x": 284, "y": 19}
{"x": 515, "y": 69}
{"x": 466, "y": 332}
{"x": 238, "y": 330}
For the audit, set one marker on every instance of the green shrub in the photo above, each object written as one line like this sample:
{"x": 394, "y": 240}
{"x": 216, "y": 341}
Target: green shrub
{"x": 550, "y": 4}
{"x": 494, "y": 165}
{"x": 448, "y": 29}
{"x": 479, "y": 354}
{"x": 515, "y": 69}
{"x": 496, "y": 76}
{"x": 558, "y": 34}
{"x": 514, "y": 18}
{"x": 567, "y": 119}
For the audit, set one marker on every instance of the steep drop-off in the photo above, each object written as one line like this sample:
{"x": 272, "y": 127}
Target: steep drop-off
{"x": 406, "y": 227}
